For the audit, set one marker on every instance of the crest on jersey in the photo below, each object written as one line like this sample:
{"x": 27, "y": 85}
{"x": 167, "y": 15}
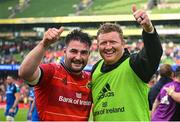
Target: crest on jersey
{"x": 89, "y": 85}
{"x": 78, "y": 95}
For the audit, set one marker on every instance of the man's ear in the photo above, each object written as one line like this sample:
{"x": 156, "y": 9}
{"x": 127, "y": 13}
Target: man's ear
{"x": 64, "y": 50}
{"x": 123, "y": 42}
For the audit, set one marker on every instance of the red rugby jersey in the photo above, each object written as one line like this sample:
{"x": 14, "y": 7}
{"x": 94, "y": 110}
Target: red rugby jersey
{"x": 61, "y": 95}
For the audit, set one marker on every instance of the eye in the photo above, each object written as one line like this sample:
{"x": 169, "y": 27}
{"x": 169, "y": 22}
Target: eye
{"x": 113, "y": 42}
{"x": 84, "y": 52}
{"x": 73, "y": 51}
{"x": 103, "y": 43}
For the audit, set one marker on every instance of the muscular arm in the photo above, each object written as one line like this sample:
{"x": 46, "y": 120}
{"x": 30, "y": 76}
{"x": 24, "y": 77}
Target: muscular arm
{"x": 29, "y": 69}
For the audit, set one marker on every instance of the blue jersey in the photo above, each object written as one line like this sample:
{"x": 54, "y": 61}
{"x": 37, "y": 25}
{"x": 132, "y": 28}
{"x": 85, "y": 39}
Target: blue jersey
{"x": 10, "y": 94}
{"x": 10, "y": 98}
{"x": 31, "y": 93}
{"x": 34, "y": 116}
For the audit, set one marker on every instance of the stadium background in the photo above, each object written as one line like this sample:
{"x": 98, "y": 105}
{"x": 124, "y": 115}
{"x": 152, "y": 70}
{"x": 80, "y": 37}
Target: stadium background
{"x": 23, "y": 22}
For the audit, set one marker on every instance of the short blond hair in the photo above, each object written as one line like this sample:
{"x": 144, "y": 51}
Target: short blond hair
{"x": 110, "y": 27}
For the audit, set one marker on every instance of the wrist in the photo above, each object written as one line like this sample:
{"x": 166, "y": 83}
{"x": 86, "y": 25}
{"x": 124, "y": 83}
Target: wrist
{"x": 149, "y": 28}
{"x": 43, "y": 45}
{"x": 13, "y": 108}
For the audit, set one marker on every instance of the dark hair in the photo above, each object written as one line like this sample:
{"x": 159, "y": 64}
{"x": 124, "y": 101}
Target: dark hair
{"x": 165, "y": 70}
{"x": 110, "y": 27}
{"x": 78, "y": 35}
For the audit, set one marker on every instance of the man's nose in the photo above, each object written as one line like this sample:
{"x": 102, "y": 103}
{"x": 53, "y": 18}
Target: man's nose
{"x": 108, "y": 45}
{"x": 78, "y": 56}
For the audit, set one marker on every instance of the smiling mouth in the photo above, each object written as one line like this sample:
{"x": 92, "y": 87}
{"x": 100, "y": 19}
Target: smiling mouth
{"x": 109, "y": 53}
{"x": 77, "y": 64}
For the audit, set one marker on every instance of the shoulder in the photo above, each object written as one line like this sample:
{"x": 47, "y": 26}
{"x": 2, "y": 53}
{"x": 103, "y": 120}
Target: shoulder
{"x": 86, "y": 74}
{"x": 169, "y": 84}
{"x": 49, "y": 65}
{"x": 95, "y": 66}
{"x": 16, "y": 87}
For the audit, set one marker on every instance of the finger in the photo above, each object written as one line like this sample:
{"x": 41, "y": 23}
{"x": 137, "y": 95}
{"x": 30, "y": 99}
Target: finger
{"x": 55, "y": 31}
{"x": 138, "y": 14}
{"x": 144, "y": 15}
{"x": 48, "y": 36}
{"x": 53, "y": 35}
{"x": 139, "y": 20}
{"x": 61, "y": 29}
{"x": 134, "y": 8}
{"x": 143, "y": 22}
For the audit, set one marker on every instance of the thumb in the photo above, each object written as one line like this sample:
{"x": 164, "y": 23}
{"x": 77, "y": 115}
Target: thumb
{"x": 134, "y": 9}
{"x": 60, "y": 30}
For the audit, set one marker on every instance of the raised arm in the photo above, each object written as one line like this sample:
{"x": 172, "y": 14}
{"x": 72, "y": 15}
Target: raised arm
{"x": 29, "y": 69}
{"x": 146, "y": 62}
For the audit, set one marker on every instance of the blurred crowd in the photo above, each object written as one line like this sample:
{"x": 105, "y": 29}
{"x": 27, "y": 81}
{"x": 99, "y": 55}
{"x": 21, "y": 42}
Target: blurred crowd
{"x": 14, "y": 52}
{"x": 24, "y": 90}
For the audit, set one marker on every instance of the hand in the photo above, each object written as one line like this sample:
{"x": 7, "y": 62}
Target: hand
{"x": 29, "y": 115}
{"x": 143, "y": 19}
{"x": 169, "y": 89}
{"x": 11, "y": 110}
{"x": 51, "y": 36}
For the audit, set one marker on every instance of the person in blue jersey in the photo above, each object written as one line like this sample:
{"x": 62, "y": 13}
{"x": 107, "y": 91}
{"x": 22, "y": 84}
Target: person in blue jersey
{"x": 32, "y": 112}
{"x": 12, "y": 98}
{"x": 35, "y": 116}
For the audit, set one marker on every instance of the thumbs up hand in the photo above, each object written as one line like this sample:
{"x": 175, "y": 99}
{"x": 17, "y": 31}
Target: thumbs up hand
{"x": 51, "y": 36}
{"x": 142, "y": 18}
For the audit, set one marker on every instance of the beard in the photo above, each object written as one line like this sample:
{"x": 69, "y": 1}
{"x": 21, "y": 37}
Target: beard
{"x": 75, "y": 66}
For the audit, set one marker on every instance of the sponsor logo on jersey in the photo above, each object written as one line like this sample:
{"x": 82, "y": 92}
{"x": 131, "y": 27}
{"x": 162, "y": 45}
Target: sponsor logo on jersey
{"x": 106, "y": 92}
{"x": 74, "y": 101}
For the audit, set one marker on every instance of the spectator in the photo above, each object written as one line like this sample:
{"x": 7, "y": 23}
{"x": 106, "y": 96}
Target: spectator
{"x": 94, "y": 56}
{"x": 165, "y": 107}
{"x": 166, "y": 75}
